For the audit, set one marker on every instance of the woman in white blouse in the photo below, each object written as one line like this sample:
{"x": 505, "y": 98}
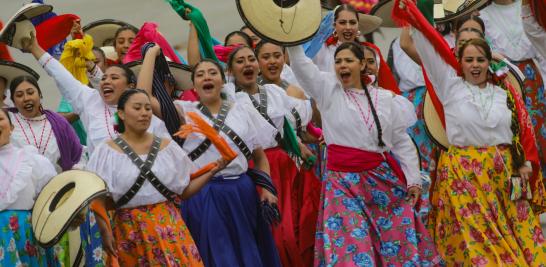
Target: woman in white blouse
{"x": 368, "y": 197}
{"x": 474, "y": 221}
{"x": 273, "y": 104}
{"x": 96, "y": 108}
{"x": 505, "y": 31}
{"x": 534, "y": 31}
{"x": 49, "y": 132}
{"x": 241, "y": 238}
{"x": 23, "y": 173}
{"x": 147, "y": 177}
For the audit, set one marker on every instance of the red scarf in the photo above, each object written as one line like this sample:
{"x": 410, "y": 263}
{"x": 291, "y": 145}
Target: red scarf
{"x": 412, "y": 16}
{"x": 4, "y": 52}
{"x": 385, "y": 78}
{"x": 54, "y": 30}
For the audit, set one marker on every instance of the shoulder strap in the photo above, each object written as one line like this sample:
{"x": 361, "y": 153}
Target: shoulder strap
{"x": 145, "y": 171}
{"x": 262, "y": 109}
{"x": 230, "y": 133}
{"x": 217, "y": 123}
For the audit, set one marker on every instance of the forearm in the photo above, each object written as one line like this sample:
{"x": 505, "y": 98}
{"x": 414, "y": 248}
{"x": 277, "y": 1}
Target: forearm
{"x": 260, "y": 160}
{"x": 194, "y": 55}
{"x": 407, "y": 45}
{"x": 196, "y": 184}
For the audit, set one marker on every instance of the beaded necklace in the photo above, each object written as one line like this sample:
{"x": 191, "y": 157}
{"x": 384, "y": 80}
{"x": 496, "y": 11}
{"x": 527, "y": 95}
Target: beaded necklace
{"x": 36, "y": 144}
{"x": 365, "y": 117}
{"x": 107, "y": 116}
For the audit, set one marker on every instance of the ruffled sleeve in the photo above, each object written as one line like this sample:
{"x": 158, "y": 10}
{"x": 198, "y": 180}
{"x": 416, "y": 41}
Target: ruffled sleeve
{"x": 42, "y": 169}
{"x": 535, "y": 33}
{"x": 99, "y": 164}
{"x": 319, "y": 85}
{"x": 76, "y": 93}
{"x": 14, "y": 185}
{"x": 402, "y": 146}
{"x": 259, "y": 130}
{"x": 180, "y": 163}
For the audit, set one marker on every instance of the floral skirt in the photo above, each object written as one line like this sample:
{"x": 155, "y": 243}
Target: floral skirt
{"x": 154, "y": 235}
{"x": 474, "y": 222}
{"x": 535, "y": 101}
{"x": 92, "y": 242}
{"x": 18, "y": 247}
{"x": 224, "y": 221}
{"x": 364, "y": 220}
{"x": 428, "y": 150}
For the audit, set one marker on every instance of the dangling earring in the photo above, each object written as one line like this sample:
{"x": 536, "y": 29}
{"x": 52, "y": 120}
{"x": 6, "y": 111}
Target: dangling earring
{"x": 358, "y": 34}
{"x": 335, "y": 34}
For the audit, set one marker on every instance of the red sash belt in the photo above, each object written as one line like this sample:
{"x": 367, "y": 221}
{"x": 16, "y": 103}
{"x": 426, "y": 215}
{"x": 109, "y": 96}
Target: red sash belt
{"x": 350, "y": 159}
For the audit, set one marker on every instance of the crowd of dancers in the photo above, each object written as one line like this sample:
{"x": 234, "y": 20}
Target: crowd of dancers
{"x": 334, "y": 163}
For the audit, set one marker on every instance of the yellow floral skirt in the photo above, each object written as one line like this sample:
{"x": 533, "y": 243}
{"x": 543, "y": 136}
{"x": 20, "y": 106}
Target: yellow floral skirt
{"x": 473, "y": 221}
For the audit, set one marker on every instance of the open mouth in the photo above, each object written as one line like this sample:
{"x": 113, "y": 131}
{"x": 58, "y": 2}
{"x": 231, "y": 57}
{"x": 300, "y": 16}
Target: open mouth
{"x": 476, "y": 73}
{"x": 248, "y": 74}
{"x": 107, "y": 92}
{"x": 28, "y": 107}
{"x": 345, "y": 76}
{"x": 273, "y": 69}
{"x": 208, "y": 86}
{"x": 347, "y": 35}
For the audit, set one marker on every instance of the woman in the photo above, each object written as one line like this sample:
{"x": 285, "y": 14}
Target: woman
{"x": 95, "y": 108}
{"x": 273, "y": 104}
{"x": 47, "y": 131}
{"x": 533, "y": 30}
{"x": 366, "y": 216}
{"x": 122, "y": 41}
{"x": 271, "y": 61}
{"x": 504, "y": 29}
{"x": 346, "y": 29}
{"x": 224, "y": 218}
{"x": 149, "y": 230}
{"x": 475, "y": 222}
{"x": 23, "y": 173}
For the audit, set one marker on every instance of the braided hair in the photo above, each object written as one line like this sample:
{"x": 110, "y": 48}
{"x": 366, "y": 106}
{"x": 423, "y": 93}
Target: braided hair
{"x": 358, "y": 52}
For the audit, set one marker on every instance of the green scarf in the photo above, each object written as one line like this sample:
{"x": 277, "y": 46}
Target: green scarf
{"x": 200, "y": 24}
{"x": 290, "y": 144}
{"x": 427, "y": 9}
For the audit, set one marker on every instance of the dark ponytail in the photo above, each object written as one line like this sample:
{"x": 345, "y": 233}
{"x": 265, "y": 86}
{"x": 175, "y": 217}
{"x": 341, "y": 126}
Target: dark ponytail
{"x": 358, "y": 51}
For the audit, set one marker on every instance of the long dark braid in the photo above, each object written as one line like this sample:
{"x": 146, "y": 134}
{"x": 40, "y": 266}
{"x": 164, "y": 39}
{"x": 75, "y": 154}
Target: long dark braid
{"x": 358, "y": 51}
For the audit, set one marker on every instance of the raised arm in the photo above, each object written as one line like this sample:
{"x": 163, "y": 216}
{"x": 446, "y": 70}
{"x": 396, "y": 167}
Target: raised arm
{"x": 441, "y": 74}
{"x": 407, "y": 45}
{"x": 319, "y": 85}
{"x": 146, "y": 77}
{"x": 194, "y": 55}
{"x": 535, "y": 33}
{"x": 73, "y": 90}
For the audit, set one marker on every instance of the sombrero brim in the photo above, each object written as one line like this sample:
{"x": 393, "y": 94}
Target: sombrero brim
{"x": 383, "y": 9}
{"x": 110, "y": 53}
{"x": 300, "y": 22}
{"x": 453, "y": 10}
{"x": 27, "y": 12}
{"x": 368, "y": 23}
{"x": 329, "y": 4}
{"x": 181, "y": 73}
{"x": 103, "y": 31}
{"x": 10, "y": 70}
{"x": 60, "y": 201}
{"x": 433, "y": 123}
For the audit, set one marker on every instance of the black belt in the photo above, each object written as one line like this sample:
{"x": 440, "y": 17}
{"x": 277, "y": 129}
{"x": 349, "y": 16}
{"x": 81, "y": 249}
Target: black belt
{"x": 145, "y": 172}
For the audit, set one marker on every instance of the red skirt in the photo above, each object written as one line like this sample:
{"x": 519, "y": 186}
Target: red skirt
{"x": 299, "y": 197}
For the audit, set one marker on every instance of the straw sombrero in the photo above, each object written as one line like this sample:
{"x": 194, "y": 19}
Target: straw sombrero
{"x": 329, "y": 4}
{"x": 60, "y": 201}
{"x": 10, "y": 70}
{"x": 103, "y": 31}
{"x": 433, "y": 123}
{"x": 181, "y": 73}
{"x": 19, "y": 26}
{"x": 283, "y": 22}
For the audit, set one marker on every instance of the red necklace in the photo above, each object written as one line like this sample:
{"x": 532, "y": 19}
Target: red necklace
{"x": 366, "y": 118}
{"x": 107, "y": 116}
{"x": 36, "y": 144}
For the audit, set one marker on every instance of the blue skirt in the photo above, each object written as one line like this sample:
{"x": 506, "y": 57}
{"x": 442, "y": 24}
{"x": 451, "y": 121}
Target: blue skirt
{"x": 225, "y": 224}
{"x": 18, "y": 247}
{"x": 92, "y": 241}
